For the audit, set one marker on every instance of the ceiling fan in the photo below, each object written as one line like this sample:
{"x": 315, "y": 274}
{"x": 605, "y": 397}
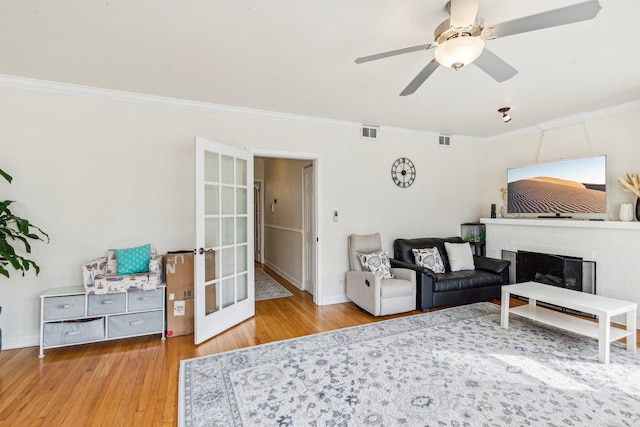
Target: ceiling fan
{"x": 459, "y": 40}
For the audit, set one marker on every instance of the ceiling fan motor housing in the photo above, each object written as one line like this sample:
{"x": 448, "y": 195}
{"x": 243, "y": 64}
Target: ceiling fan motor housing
{"x": 457, "y": 47}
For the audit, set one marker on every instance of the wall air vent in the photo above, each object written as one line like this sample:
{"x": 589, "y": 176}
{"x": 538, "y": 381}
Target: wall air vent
{"x": 369, "y": 132}
{"x": 444, "y": 140}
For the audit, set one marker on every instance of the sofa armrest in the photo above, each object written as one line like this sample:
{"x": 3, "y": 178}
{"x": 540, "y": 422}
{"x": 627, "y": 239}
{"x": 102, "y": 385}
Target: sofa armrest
{"x": 422, "y": 270}
{"x": 493, "y": 265}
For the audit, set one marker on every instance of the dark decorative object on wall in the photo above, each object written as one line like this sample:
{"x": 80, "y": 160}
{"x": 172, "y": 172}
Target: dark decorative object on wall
{"x": 403, "y": 172}
{"x": 638, "y": 209}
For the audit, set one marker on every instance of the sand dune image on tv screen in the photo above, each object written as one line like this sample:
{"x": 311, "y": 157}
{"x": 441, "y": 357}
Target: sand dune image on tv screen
{"x": 554, "y": 195}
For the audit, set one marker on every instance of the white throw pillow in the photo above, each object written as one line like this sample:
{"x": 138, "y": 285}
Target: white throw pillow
{"x": 429, "y": 258}
{"x": 378, "y": 263}
{"x": 460, "y": 256}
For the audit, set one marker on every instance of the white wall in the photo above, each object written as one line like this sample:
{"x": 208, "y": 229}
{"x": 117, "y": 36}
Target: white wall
{"x": 98, "y": 174}
{"x": 614, "y": 136}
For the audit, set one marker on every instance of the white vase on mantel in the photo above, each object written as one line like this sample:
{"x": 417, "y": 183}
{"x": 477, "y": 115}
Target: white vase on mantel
{"x": 626, "y": 212}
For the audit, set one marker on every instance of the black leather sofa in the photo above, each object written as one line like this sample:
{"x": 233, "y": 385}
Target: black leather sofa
{"x": 450, "y": 288}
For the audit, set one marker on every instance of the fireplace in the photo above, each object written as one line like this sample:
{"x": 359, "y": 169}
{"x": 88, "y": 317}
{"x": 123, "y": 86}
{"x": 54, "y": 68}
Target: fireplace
{"x": 564, "y": 271}
{"x": 550, "y": 269}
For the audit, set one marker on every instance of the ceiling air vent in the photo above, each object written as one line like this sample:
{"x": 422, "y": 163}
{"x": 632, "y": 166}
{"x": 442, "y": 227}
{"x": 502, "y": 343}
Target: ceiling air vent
{"x": 444, "y": 140}
{"x": 369, "y": 132}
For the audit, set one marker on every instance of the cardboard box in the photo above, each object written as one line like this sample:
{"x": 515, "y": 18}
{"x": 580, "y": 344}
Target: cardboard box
{"x": 180, "y": 292}
{"x": 179, "y": 278}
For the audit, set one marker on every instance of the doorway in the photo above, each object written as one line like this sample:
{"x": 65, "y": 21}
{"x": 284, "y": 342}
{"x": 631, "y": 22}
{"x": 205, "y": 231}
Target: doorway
{"x": 289, "y": 237}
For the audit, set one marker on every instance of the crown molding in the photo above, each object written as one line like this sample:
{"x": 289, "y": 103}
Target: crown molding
{"x": 162, "y": 101}
{"x": 567, "y": 121}
{"x": 25, "y": 83}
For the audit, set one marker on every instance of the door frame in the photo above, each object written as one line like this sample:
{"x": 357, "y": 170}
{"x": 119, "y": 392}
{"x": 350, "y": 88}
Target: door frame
{"x": 306, "y": 260}
{"x": 260, "y": 206}
{"x": 315, "y": 158}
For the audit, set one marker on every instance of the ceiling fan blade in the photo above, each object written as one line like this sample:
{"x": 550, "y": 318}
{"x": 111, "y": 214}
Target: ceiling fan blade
{"x": 494, "y": 66}
{"x": 420, "y": 78}
{"x": 553, "y": 18}
{"x": 463, "y": 12}
{"x": 394, "y": 52}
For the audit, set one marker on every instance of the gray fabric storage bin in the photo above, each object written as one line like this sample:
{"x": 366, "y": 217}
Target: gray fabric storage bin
{"x": 146, "y": 300}
{"x": 64, "y": 307}
{"x": 106, "y": 304}
{"x": 63, "y": 333}
{"x": 125, "y": 325}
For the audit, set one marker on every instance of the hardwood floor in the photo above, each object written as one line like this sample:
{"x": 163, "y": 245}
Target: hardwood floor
{"x": 134, "y": 382}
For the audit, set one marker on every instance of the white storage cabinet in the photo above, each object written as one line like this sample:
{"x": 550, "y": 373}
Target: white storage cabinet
{"x": 69, "y": 316}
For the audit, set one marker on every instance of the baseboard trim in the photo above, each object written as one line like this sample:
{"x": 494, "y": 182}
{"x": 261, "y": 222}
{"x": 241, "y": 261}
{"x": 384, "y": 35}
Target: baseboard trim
{"x": 334, "y": 299}
{"x": 295, "y": 282}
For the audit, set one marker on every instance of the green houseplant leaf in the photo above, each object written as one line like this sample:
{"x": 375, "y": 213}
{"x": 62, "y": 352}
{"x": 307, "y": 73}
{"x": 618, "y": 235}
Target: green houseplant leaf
{"x": 16, "y": 232}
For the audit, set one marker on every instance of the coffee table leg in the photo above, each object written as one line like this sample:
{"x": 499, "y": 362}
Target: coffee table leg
{"x": 604, "y": 336}
{"x": 631, "y": 327}
{"x": 504, "y": 309}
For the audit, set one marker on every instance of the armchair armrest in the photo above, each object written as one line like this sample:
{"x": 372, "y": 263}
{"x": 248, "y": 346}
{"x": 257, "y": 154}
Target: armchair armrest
{"x": 490, "y": 264}
{"x": 363, "y": 288}
{"x": 404, "y": 274}
{"x": 422, "y": 270}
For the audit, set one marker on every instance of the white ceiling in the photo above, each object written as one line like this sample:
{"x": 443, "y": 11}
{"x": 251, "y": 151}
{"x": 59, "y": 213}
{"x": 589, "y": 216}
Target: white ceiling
{"x": 297, "y": 57}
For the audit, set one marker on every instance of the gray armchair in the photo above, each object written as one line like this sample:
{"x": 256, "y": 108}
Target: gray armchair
{"x": 369, "y": 290}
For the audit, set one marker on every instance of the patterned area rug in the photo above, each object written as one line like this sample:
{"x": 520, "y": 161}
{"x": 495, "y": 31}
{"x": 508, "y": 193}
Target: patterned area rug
{"x": 453, "y": 367}
{"x": 267, "y": 287}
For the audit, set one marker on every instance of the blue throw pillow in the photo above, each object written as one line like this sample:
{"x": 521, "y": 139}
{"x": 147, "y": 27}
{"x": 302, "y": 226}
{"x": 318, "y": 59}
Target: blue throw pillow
{"x": 133, "y": 260}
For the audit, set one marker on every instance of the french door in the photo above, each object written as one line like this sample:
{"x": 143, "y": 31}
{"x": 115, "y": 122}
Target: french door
{"x": 224, "y": 272}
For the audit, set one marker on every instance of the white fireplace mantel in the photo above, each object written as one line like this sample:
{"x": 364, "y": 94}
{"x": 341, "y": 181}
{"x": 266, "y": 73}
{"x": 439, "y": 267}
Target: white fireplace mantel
{"x": 613, "y": 245}
{"x": 567, "y": 223}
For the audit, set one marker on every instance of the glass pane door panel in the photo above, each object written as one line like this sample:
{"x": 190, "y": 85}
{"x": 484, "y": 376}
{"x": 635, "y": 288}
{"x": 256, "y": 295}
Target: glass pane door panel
{"x": 228, "y": 292}
{"x": 210, "y": 264}
{"x": 241, "y": 201}
{"x": 210, "y": 298}
{"x": 211, "y": 167}
{"x": 241, "y": 264}
{"x": 227, "y": 232}
{"x": 228, "y": 261}
{"x": 227, "y": 201}
{"x": 227, "y": 170}
{"x": 241, "y": 230}
{"x": 241, "y": 172}
{"x": 243, "y": 291}
{"x": 211, "y": 232}
{"x": 211, "y": 202}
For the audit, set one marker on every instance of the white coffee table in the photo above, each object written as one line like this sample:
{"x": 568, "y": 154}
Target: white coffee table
{"x": 603, "y": 307}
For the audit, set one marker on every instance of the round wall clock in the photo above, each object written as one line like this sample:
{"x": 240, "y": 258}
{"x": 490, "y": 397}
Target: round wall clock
{"x": 403, "y": 172}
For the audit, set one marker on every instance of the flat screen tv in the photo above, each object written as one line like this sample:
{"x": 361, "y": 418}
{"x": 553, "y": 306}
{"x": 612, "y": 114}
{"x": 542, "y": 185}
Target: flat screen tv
{"x": 571, "y": 186}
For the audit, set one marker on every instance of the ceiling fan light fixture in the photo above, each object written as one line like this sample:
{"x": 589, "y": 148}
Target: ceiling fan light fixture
{"x": 505, "y": 114}
{"x": 459, "y": 51}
